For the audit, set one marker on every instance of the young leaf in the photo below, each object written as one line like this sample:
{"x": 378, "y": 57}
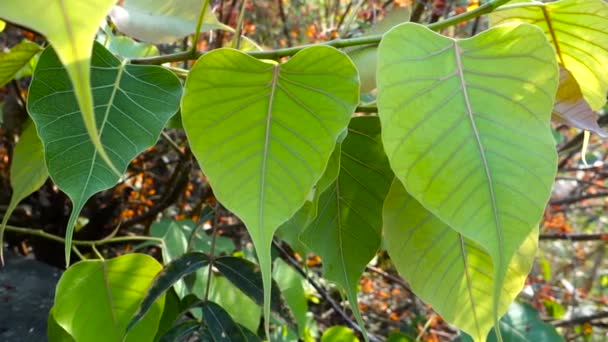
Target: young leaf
{"x": 15, "y": 59}
{"x": 28, "y": 173}
{"x": 471, "y": 141}
{"x": 247, "y": 277}
{"x": 71, "y": 34}
{"x": 220, "y": 325}
{"x": 170, "y": 274}
{"x": 571, "y": 108}
{"x": 448, "y": 271}
{"x": 339, "y": 333}
{"x": 263, "y": 132}
{"x": 95, "y": 299}
{"x": 578, "y": 30}
{"x": 132, "y": 103}
{"x": 347, "y": 230}
{"x": 163, "y": 21}
{"x": 522, "y": 324}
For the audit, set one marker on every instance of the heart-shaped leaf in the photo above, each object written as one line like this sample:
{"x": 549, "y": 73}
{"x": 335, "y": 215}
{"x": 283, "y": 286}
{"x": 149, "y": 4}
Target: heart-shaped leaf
{"x": 263, "y": 132}
{"x": 448, "y": 271}
{"x": 71, "y": 34}
{"x": 472, "y": 142}
{"x": 12, "y": 61}
{"x": 346, "y": 232}
{"x": 95, "y": 299}
{"x": 132, "y": 103}
{"x": 578, "y": 30}
{"x": 163, "y": 21}
{"x": 28, "y": 173}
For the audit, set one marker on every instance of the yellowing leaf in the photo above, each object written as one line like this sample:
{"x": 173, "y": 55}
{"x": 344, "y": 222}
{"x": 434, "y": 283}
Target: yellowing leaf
{"x": 571, "y": 108}
{"x": 70, "y": 26}
{"x": 578, "y": 29}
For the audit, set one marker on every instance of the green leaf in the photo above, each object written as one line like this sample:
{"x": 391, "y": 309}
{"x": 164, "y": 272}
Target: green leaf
{"x": 163, "y": 21}
{"x": 239, "y": 305}
{"x": 28, "y": 173}
{"x": 522, "y": 324}
{"x": 132, "y": 103}
{"x": 170, "y": 313}
{"x": 220, "y": 325}
{"x": 71, "y": 34}
{"x": 263, "y": 132}
{"x": 170, "y": 274}
{"x": 180, "y": 331}
{"x": 247, "y": 277}
{"x": 471, "y": 141}
{"x": 446, "y": 270}
{"x": 290, "y": 284}
{"x": 125, "y": 47}
{"x": 95, "y": 299}
{"x": 55, "y": 332}
{"x": 578, "y": 30}
{"x": 339, "y": 334}
{"x": 12, "y": 61}
{"x": 347, "y": 230}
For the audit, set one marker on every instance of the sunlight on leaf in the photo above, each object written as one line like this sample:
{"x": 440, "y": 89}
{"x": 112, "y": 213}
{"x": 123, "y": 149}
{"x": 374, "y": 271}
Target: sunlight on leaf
{"x": 477, "y": 149}
{"x": 133, "y": 104}
{"x": 263, "y": 132}
{"x": 445, "y": 269}
{"x": 15, "y": 59}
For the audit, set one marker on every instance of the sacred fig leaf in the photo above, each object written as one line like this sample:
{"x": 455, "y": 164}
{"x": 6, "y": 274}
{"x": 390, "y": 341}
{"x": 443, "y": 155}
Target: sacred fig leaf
{"x": 571, "y": 108}
{"x": 448, "y": 271}
{"x": 163, "y": 21}
{"x": 28, "y": 173}
{"x": 16, "y": 58}
{"x": 472, "y": 142}
{"x": 95, "y": 299}
{"x": 132, "y": 105}
{"x": 263, "y": 132}
{"x": 346, "y": 232}
{"x": 71, "y": 34}
{"x": 578, "y": 29}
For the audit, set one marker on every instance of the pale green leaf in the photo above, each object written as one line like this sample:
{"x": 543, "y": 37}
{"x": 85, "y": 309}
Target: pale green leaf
{"x": 263, "y": 132}
{"x": 471, "y": 141}
{"x": 163, "y": 21}
{"x": 95, "y": 299}
{"x": 448, "y": 271}
{"x": 126, "y": 47}
{"x": 133, "y": 104}
{"x": 578, "y": 30}
{"x": 71, "y": 34}
{"x": 12, "y": 61}
{"x": 2, "y": 25}
{"x": 347, "y": 230}
{"x": 28, "y": 172}
{"x": 339, "y": 333}
{"x": 290, "y": 283}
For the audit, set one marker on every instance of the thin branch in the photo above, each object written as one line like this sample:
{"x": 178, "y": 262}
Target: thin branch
{"x": 575, "y": 237}
{"x": 216, "y": 220}
{"x": 574, "y": 199}
{"x": 285, "y": 25}
{"x": 337, "y": 43}
{"x": 580, "y": 320}
{"x": 199, "y": 24}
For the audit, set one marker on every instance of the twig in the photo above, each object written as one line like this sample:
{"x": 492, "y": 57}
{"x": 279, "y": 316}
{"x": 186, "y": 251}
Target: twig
{"x": 216, "y": 220}
{"x": 388, "y": 276}
{"x": 294, "y": 263}
{"x": 575, "y": 237}
{"x": 284, "y": 20}
{"x": 201, "y": 17}
{"x": 580, "y": 320}
{"x": 574, "y": 199}
{"x": 337, "y": 43}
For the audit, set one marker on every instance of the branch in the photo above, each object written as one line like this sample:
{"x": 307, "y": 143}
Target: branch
{"x": 337, "y": 43}
{"x": 580, "y": 320}
{"x": 575, "y": 237}
{"x": 574, "y": 199}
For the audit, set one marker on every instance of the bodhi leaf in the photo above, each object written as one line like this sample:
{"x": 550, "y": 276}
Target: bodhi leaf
{"x": 71, "y": 34}
{"x": 133, "y": 104}
{"x": 448, "y": 271}
{"x": 28, "y": 173}
{"x": 472, "y": 142}
{"x": 578, "y": 30}
{"x": 15, "y": 59}
{"x": 95, "y": 299}
{"x": 571, "y": 108}
{"x": 162, "y": 21}
{"x": 263, "y": 132}
{"x": 347, "y": 230}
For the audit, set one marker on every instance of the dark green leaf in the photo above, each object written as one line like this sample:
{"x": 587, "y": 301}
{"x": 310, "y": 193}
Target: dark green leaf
{"x": 170, "y": 313}
{"x": 180, "y": 331}
{"x": 247, "y": 277}
{"x": 220, "y": 325}
{"x": 171, "y": 273}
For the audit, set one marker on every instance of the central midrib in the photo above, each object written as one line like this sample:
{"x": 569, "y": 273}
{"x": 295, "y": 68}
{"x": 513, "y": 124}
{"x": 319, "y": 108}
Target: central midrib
{"x": 482, "y": 153}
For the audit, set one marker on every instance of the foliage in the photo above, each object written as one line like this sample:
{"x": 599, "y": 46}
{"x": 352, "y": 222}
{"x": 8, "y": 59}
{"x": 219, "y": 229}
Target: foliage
{"x": 438, "y": 149}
